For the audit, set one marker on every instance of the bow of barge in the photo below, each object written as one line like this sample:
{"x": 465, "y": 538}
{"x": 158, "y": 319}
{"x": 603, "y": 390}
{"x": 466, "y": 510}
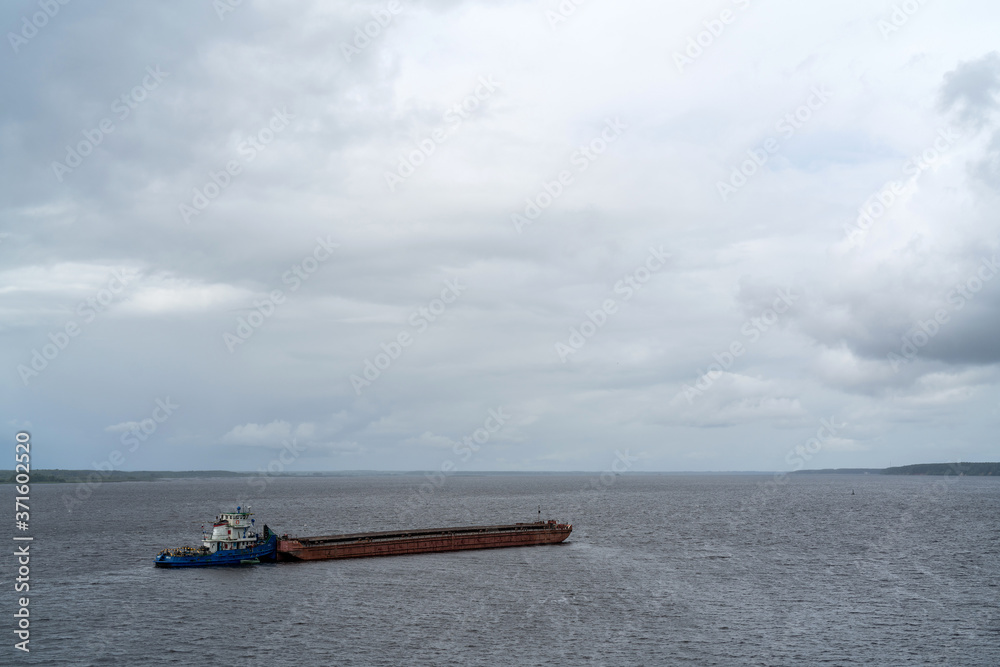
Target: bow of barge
{"x": 392, "y": 543}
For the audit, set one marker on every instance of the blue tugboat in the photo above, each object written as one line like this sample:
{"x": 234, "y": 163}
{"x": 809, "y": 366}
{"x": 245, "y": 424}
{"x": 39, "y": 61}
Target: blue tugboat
{"x": 232, "y": 541}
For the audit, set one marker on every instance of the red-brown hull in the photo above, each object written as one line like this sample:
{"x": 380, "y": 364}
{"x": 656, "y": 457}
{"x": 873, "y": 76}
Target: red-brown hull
{"x": 364, "y": 545}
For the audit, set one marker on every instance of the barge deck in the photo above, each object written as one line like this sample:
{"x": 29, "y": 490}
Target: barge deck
{"x": 430, "y": 540}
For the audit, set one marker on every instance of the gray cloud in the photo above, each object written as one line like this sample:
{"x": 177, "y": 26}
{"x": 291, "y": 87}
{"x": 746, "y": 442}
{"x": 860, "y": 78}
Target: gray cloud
{"x": 972, "y": 87}
{"x": 192, "y": 279}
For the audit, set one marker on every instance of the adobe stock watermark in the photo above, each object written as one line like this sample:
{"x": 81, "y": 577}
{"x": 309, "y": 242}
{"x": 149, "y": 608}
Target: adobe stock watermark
{"x": 265, "y": 307}
{"x": 366, "y": 34}
{"x": 133, "y": 435}
{"x": 622, "y": 463}
{"x": 581, "y": 158}
{"x": 122, "y": 107}
{"x": 924, "y": 330}
{"x": 248, "y": 149}
{"x": 29, "y": 28}
{"x": 453, "y": 119}
{"x": 562, "y": 12}
{"x": 714, "y": 28}
{"x": 751, "y": 330}
{"x": 787, "y": 125}
{"x": 464, "y": 450}
{"x": 880, "y": 201}
{"x": 628, "y": 286}
{"x": 289, "y": 454}
{"x": 932, "y": 492}
{"x": 420, "y": 321}
{"x": 87, "y": 310}
{"x": 798, "y": 456}
{"x": 900, "y": 16}
{"x": 223, "y": 7}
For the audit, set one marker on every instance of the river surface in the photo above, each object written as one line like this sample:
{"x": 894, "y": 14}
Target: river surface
{"x": 659, "y": 570}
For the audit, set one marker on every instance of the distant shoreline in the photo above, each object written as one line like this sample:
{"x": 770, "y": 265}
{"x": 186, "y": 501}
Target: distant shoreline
{"x": 961, "y": 469}
{"x": 60, "y": 476}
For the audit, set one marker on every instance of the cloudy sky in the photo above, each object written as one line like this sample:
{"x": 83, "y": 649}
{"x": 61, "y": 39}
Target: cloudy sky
{"x": 729, "y": 235}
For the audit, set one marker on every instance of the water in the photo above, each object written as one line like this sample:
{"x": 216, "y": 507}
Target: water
{"x": 659, "y": 570}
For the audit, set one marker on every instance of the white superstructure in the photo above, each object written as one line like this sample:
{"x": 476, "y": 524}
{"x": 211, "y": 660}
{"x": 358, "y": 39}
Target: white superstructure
{"x": 232, "y": 530}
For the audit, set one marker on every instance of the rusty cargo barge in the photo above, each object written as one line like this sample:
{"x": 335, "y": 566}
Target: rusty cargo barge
{"x": 431, "y": 540}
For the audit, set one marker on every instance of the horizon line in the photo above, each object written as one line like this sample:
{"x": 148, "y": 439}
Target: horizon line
{"x": 296, "y": 473}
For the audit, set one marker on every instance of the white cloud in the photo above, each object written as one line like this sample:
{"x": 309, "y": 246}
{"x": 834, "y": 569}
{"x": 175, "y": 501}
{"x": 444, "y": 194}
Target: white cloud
{"x": 255, "y": 434}
{"x": 428, "y": 439}
{"x": 163, "y": 295}
{"x": 123, "y": 427}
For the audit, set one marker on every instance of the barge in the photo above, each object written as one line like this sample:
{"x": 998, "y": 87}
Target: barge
{"x": 430, "y": 540}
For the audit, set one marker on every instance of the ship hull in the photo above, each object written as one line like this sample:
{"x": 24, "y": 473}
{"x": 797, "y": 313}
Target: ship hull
{"x": 262, "y": 553}
{"x": 367, "y": 545}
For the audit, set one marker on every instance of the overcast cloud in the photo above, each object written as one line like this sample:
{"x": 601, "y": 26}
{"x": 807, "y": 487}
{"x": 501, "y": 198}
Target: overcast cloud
{"x": 685, "y": 230}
